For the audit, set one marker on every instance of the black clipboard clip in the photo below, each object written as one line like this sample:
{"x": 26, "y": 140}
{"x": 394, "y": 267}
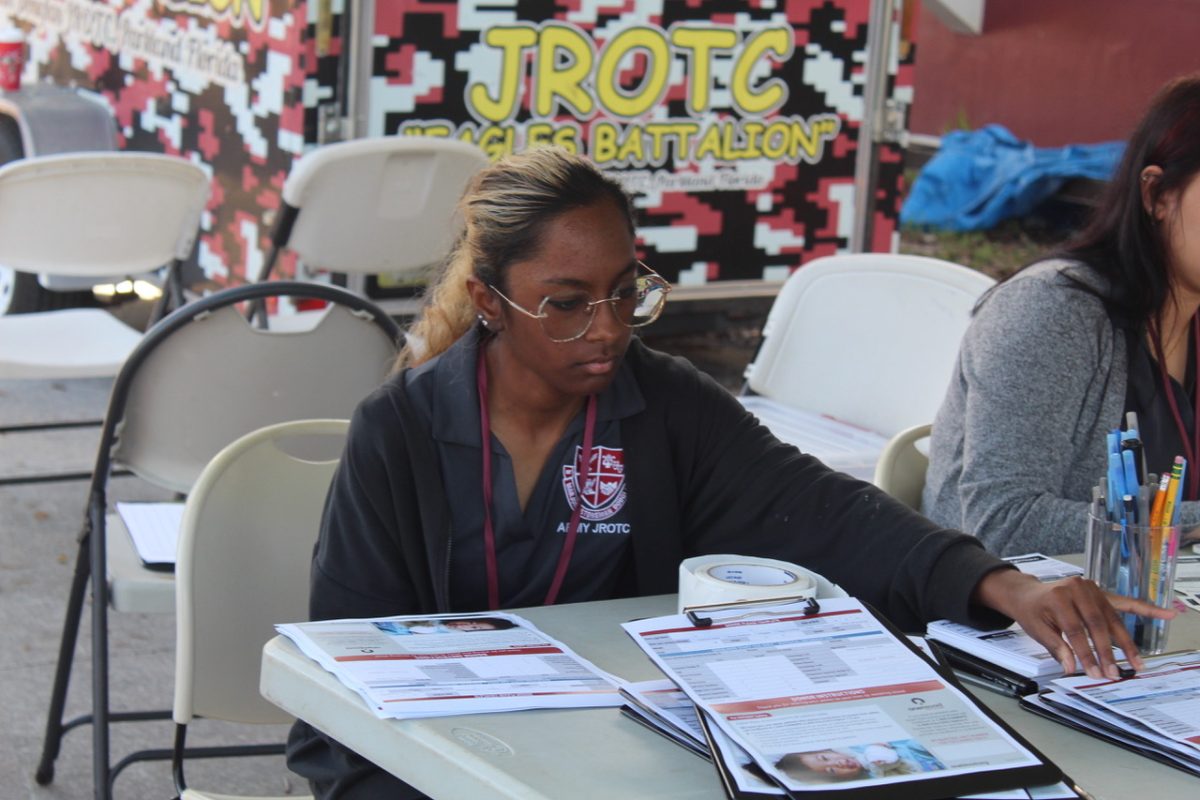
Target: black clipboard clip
{"x": 811, "y": 606}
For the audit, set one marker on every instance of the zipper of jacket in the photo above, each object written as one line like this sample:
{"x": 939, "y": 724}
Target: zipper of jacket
{"x": 446, "y": 571}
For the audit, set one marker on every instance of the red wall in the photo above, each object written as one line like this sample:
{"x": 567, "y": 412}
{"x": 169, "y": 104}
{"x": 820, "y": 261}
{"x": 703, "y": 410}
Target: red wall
{"x": 1052, "y": 71}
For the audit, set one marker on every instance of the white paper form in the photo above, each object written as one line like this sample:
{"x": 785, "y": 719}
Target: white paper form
{"x": 667, "y": 705}
{"x": 1108, "y": 724}
{"x": 405, "y": 667}
{"x": 1164, "y": 697}
{"x": 1187, "y": 579}
{"x": 740, "y": 765}
{"x": 831, "y": 698}
{"x": 154, "y": 529}
{"x": 664, "y": 704}
{"x": 1043, "y": 567}
{"x": 1010, "y": 648}
{"x": 840, "y": 445}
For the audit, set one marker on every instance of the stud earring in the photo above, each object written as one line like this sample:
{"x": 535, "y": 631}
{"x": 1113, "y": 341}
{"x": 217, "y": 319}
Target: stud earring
{"x": 482, "y": 321}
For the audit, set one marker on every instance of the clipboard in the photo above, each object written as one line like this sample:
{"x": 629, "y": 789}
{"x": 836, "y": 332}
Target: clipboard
{"x": 686, "y": 744}
{"x": 1044, "y": 773}
{"x": 725, "y": 771}
{"x": 979, "y": 672}
{"x": 1036, "y": 705}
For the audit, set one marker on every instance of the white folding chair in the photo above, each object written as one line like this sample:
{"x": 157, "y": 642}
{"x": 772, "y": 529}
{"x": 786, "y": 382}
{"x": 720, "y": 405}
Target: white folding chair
{"x": 94, "y": 214}
{"x": 200, "y": 379}
{"x": 245, "y": 550}
{"x": 380, "y": 206}
{"x": 869, "y": 339}
{"x": 902, "y": 465}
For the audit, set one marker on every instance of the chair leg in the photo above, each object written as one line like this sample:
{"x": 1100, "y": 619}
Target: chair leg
{"x": 257, "y": 313}
{"x": 100, "y": 751}
{"x": 55, "y": 728}
{"x": 177, "y": 759}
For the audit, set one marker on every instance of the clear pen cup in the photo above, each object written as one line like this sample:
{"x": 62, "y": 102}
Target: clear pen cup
{"x": 1135, "y": 561}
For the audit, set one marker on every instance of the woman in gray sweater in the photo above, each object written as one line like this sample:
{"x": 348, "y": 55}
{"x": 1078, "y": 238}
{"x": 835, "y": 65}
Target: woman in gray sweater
{"x": 1057, "y": 355}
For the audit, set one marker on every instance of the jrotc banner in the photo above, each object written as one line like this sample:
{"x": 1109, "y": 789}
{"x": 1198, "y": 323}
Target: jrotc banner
{"x": 733, "y": 122}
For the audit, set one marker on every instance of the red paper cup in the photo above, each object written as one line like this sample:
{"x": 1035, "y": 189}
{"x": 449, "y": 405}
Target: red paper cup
{"x": 12, "y": 59}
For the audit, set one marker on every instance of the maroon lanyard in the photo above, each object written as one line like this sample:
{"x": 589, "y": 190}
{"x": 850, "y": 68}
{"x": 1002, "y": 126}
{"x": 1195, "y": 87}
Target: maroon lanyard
{"x": 489, "y": 533}
{"x": 1191, "y": 445}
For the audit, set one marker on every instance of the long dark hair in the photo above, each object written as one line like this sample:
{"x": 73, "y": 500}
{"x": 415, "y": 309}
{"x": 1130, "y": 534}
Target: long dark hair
{"x": 1123, "y": 242}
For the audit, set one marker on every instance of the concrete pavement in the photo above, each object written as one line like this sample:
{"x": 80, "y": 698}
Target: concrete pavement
{"x": 39, "y": 524}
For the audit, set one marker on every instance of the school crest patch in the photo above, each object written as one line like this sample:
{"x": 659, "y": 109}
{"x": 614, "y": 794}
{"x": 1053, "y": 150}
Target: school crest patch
{"x": 604, "y": 494}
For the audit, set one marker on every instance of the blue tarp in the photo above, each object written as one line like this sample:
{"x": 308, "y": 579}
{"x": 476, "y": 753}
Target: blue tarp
{"x": 979, "y": 178}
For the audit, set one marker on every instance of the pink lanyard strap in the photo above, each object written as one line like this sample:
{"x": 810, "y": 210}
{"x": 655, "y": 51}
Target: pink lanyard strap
{"x": 1190, "y": 445}
{"x": 489, "y": 532}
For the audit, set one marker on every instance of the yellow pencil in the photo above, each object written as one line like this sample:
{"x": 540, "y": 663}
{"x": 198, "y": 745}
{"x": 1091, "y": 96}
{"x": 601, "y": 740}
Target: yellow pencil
{"x": 1165, "y": 515}
{"x": 1168, "y": 512}
{"x": 1156, "y": 511}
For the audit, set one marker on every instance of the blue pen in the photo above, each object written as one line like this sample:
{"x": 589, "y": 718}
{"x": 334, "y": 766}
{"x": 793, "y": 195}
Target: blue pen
{"x": 1116, "y": 513}
{"x": 1131, "y": 443}
{"x": 1116, "y": 483}
{"x": 1179, "y": 497}
{"x": 1114, "y": 440}
{"x": 1132, "y": 478}
{"x": 1125, "y": 574}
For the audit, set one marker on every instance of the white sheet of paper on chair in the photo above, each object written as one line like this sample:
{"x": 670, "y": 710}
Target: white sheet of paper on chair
{"x": 154, "y": 529}
{"x": 840, "y": 445}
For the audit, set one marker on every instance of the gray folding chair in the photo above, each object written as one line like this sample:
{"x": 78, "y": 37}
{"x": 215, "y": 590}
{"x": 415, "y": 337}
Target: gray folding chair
{"x": 380, "y": 206}
{"x": 200, "y": 379}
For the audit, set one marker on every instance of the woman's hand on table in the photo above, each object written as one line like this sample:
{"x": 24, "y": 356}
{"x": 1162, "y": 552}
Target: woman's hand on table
{"x": 1071, "y": 618}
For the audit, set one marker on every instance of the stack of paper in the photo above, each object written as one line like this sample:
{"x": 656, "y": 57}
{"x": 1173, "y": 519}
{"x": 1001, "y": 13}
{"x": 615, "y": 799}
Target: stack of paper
{"x": 840, "y": 445}
{"x": 810, "y": 702}
{"x": 664, "y": 708}
{"x": 1187, "y": 579}
{"x": 1153, "y": 713}
{"x": 422, "y": 666}
{"x": 1011, "y": 649}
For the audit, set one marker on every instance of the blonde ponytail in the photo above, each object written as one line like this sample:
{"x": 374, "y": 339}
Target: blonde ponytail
{"x": 446, "y": 316}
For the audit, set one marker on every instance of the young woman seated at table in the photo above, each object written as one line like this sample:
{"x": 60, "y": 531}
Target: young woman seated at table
{"x": 1057, "y": 355}
{"x": 534, "y": 452}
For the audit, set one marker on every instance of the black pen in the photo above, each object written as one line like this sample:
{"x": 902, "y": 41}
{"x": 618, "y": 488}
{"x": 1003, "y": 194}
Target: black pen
{"x": 1134, "y": 444}
{"x": 1001, "y": 685}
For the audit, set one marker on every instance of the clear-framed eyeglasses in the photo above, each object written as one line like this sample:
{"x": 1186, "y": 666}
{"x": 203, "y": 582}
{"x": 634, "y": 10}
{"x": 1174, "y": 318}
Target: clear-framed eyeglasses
{"x": 568, "y": 316}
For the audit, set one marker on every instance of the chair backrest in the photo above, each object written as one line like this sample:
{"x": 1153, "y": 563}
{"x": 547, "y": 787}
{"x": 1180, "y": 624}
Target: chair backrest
{"x": 901, "y": 468}
{"x": 244, "y": 554}
{"x": 204, "y": 377}
{"x": 99, "y": 214}
{"x": 381, "y": 205}
{"x": 869, "y": 338}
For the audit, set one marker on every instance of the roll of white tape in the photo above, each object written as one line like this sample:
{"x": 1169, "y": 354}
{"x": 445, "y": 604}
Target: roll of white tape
{"x": 709, "y": 580}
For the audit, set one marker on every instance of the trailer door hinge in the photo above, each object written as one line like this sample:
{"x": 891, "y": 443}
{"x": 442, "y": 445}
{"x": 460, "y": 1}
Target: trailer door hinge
{"x": 331, "y": 125}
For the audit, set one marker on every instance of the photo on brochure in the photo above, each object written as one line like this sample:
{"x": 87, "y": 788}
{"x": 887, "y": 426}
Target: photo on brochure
{"x": 868, "y": 760}
{"x": 406, "y": 627}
